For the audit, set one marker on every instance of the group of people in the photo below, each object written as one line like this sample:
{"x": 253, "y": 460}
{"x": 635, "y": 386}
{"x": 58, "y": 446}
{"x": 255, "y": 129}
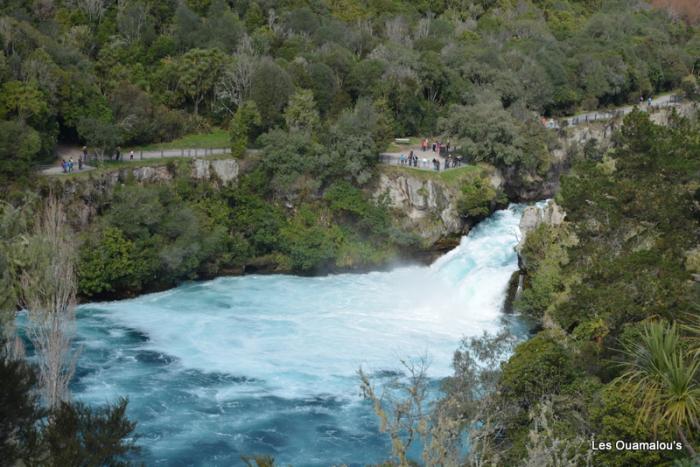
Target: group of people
{"x": 649, "y": 100}
{"x": 83, "y": 159}
{"x": 411, "y": 160}
{"x": 414, "y": 161}
{"x": 67, "y": 165}
{"x": 436, "y": 146}
{"x": 442, "y": 150}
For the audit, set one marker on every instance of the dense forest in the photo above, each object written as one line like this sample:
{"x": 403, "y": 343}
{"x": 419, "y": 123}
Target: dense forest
{"x": 320, "y": 88}
{"x": 106, "y": 73}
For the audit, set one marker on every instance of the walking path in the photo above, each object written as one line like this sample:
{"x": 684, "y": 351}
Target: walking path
{"x": 389, "y": 158}
{"x": 74, "y": 152}
{"x": 425, "y": 159}
{"x": 667, "y": 100}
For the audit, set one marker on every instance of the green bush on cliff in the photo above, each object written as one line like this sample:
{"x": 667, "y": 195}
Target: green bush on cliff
{"x": 149, "y": 237}
{"x": 309, "y": 241}
{"x": 544, "y": 254}
{"x": 614, "y": 414}
{"x": 477, "y": 197}
{"x": 156, "y": 235}
{"x": 350, "y": 204}
{"x": 242, "y": 127}
{"x": 108, "y": 263}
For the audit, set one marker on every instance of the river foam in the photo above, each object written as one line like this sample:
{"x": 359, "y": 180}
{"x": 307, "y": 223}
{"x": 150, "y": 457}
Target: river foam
{"x": 267, "y": 364}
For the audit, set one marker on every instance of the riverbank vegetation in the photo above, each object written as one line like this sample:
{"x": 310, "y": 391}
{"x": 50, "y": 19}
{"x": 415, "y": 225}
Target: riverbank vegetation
{"x": 616, "y": 288}
{"x": 152, "y": 237}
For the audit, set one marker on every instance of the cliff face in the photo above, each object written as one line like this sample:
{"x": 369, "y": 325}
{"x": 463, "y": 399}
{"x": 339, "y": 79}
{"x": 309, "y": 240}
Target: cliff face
{"x": 533, "y": 216}
{"x": 424, "y": 204}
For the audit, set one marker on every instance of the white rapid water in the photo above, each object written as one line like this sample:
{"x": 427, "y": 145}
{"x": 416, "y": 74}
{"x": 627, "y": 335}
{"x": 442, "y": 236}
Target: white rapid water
{"x": 267, "y": 364}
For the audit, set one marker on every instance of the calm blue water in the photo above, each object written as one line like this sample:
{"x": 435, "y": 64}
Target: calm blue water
{"x": 267, "y": 364}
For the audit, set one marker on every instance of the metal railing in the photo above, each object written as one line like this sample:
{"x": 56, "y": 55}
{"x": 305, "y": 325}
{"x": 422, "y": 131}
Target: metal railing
{"x": 608, "y": 115}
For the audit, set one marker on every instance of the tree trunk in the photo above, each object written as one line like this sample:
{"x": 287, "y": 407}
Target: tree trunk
{"x": 48, "y": 289}
{"x": 688, "y": 446}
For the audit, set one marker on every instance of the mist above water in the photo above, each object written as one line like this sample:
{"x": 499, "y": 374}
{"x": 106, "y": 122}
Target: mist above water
{"x": 267, "y": 364}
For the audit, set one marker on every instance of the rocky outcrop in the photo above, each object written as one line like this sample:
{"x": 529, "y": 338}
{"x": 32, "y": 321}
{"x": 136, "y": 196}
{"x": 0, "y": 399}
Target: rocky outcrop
{"x": 225, "y": 170}
{"x": 522, "y": 186}
{"x": 533, "y": 216}
{"x": 426, "y": 207}
{"x": 424, "y": 204}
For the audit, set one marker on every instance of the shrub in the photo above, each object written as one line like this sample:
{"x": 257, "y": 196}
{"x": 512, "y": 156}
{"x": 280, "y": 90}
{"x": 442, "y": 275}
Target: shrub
{"x": 539, "y": 367}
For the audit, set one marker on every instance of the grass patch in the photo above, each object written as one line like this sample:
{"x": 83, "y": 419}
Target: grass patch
{"x": 217, "y": 138}
{"x": 414, "y": 141}
{"x": 448, "y": 177}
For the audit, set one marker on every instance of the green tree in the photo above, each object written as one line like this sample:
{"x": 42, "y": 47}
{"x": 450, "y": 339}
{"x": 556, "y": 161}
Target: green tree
{"x": 104, "y": 136}
{"x": 477, "y": 198}
{"x": 309, "y": 243}
{"x": 20, "y": 410}
{"x": 539, "y": 367}
{"x": 19, "y": 147}
{"x": 487, "y": 132}
{"x": 21, "y": 100}
{"x": 198, "y": 72}
{"x": 222, "y": 28}
{"x": 243, "y": 126}
{"x": 301, "y": 113}
{"x": 80, "y": 435}
{"x": 254, "y": 17}
{"x": 271, "y": 87}
{"x": 296, "y": 166}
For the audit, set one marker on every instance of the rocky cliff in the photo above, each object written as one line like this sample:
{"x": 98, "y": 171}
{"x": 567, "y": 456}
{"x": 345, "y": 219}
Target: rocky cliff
{"x": 425, "y": 203}
{"x": 533, "y": 216}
